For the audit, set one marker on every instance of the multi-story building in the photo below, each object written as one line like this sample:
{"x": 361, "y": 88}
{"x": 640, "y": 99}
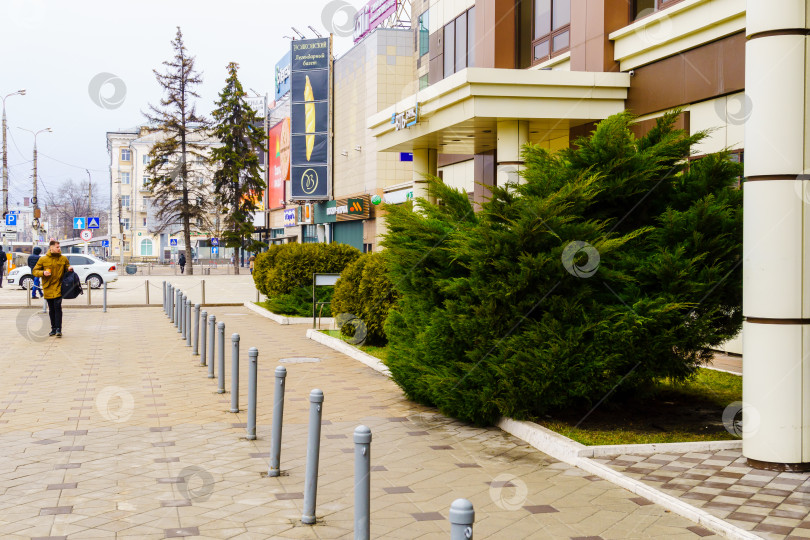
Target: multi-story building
{"x": 132, "y": 213}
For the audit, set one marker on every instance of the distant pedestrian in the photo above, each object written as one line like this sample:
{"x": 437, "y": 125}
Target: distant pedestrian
{"x": 232, "y": 260}
{"x": 251, "y": 261}
{"x": 32, "y": 262}
{"x": 51, "y": 268}
{"x": 182, "y": 262}
{"x": 2, "y": 265}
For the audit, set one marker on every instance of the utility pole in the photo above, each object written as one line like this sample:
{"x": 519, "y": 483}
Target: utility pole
{"x": 5, "y": 160}
{"x": 34, "y": 200}
{"x": 89, "y": 205}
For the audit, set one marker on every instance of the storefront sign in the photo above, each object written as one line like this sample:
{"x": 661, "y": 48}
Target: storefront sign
{"x": 399, "y": 196}
{"x": 351, "y": 208}
{"x": 289, "y": 217}
{"x": 310, "y": 146}
{"x": 279, "y": 159}
{"x": 406, "y": 118}
{"x": 304, "y": 214}
{"x": 258, "y": 104}
{"x": 371, "y": 16}
{"x": 283, "y": 76}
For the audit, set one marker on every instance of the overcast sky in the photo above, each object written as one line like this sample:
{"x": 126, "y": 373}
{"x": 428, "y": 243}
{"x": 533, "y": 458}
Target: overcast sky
{"x": 54, "y": 49}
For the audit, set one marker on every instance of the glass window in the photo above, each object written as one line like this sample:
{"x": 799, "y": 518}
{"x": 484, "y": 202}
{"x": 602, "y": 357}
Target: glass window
{"x": 125, "y": 178}
{"x": 126, "y": 246}
{"x": 146, "y": 159}
{"x": 552, "y": 24}
{"x": 423, "y": 82}
{"x": 461, "y": 42}
{"x": 642, "y": 8}
{"x": 471, "y": 37}
{"x": 423, "y": 26}
{"x": 125, "y": 223}
{"x": 449, "y": 48}
{"x": 125, "y": 201}
{"x": 125, "y": 154}
{"x": 146, "y": 247}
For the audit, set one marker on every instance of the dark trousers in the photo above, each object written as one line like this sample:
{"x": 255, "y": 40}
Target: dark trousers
{"x": 55, "y": 312}
{"x": 182, "y": 268}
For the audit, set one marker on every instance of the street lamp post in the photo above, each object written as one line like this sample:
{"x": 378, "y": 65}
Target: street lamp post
{"x": 5, "y": 158}
{"x": 34, "y": 200}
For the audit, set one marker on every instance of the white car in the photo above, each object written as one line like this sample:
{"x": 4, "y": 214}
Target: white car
{"x": 90, "y": 270}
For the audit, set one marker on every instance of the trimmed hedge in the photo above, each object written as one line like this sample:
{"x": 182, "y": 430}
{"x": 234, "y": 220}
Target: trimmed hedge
{"x": 365, "y": 291}
{"x": 283, "y": 273}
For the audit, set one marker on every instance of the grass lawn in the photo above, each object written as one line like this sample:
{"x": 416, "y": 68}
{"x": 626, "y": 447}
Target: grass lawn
{"x": 691, "y": 411}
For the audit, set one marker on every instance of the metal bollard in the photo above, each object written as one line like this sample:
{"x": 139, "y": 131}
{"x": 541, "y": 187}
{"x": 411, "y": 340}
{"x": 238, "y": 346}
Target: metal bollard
{"x": 175, "y": 318}
{"x": 462, "y": 516}
{"x": 168, "y": 300}
{"x": 196, "y": 341}
{"x": 221, "y": 357}
{"x": 253, "y": 371}
{"x": 204, "y": 319}
{"x": 147, "y": 291}
{"x": 362, "y": 483}
{"x": 181, "y": 329}
{"x": 212, "y": 337}
{"x": 188, "y": 323}
{"x": 44, "y": 305}
{"x": 235, "y": 373}
{"x": 89, "y": 294}
{"x": 278, "y": 417}
{"x": 164, "y": 296}
{"x": 313, "y": 452}
{"x": 28, "y": 288}
{"x": 202, "y": 285}
{"x": 104, "y": 299}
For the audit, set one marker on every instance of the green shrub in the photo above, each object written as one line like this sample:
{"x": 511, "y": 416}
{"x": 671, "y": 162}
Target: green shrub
{"x": 365, "y": 291}
{"x": 615, "y": 263}
{"x": 298, "y": 303}
{"x": 284, "y": 273}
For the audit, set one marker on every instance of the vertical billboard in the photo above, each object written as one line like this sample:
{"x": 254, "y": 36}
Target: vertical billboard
{"x": 279, "y": 163}
{"x": 310, "y": 148}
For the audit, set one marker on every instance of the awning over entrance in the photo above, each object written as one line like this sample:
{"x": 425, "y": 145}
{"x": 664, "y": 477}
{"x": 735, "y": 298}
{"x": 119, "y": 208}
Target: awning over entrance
{"x": 459, "y": 114}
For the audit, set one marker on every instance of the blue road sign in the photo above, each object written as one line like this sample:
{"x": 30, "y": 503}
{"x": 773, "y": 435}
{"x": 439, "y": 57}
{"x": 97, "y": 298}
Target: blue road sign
{"x": 11, "y": 220}
{"x": 92, "y": 222}
{"x": 214, "y": 250}
{"x": 173, "y": 241}
{"x": 105, "y": 243}
{"x": 78, "y": 223}
{"x": 215, "y": 241}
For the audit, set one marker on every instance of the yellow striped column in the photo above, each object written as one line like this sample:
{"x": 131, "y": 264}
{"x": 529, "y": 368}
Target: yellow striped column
{"x": 776, "y": 238}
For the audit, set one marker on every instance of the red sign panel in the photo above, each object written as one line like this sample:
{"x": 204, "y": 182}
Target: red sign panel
{"x": 278, "y": 163}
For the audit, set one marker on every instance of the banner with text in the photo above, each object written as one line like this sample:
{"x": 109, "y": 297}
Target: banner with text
{"x": 279, "y": 160}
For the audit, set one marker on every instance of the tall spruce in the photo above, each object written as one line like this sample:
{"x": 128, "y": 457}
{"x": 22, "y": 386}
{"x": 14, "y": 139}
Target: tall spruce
{"x": 238, "y": 181}
{"x": 614, "y": 264}
{"x": 180, "y": 202}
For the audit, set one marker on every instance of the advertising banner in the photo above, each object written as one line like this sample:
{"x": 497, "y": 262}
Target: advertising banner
{"x": 279, "y": 161}
{"x": 282, "y": 76}
{"x": 371, "y": 16}
{"x": 310, "y": 147}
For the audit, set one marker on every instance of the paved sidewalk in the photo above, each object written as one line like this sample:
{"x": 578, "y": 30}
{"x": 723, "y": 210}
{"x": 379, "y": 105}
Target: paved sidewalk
{"x": 114, "y": 431}
{"x": 771, "y": 504}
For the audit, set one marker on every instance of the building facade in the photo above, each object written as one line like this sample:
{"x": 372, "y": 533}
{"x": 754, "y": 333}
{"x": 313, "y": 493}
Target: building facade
{"x": 133, "y": 215}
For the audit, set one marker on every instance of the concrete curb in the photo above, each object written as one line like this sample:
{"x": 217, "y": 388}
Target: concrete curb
{"x": 578, "y": 455}
{"x": 283, "y": 319}
{"x": 111, "y": 306}
{"x": 349, "y": 350}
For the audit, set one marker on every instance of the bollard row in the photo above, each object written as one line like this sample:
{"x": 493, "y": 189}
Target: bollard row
{"x": 191, "y": 324}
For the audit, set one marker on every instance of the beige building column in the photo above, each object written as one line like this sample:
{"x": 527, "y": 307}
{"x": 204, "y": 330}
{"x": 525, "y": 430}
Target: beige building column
{"x": 512, "y": 135}
{"x": 424, "y": 164}
{"x": 776, "y": 249}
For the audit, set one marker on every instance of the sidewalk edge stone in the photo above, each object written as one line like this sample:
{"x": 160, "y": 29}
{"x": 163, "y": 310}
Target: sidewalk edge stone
{"x": 282, "y": 319}
{"x": 341, "y": 346}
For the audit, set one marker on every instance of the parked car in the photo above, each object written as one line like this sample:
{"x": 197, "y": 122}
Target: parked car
{"x": 90, "y": 269}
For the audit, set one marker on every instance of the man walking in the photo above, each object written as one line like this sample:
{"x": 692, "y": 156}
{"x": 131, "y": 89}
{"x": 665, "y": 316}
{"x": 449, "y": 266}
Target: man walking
{"x": 32, "y": 262}
{"x": 2, "y": 265}
{"x": 182, "y": 262}
{"x": 51, "y": 268}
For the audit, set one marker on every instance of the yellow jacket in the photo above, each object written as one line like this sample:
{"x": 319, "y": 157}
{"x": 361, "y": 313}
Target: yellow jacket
{"x": 58, "y": 265}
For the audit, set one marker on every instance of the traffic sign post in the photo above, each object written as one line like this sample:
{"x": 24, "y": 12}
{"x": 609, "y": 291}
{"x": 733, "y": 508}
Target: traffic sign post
{"x": 79, "y": 222}
{"x": 11, "y": 220}
{"x": 215, "y": 241}
{"x": 93, "y": 222}
{"x": 86, "y": 235}
{"x": 105, "y": 243}
{"x": 173, "y": 241}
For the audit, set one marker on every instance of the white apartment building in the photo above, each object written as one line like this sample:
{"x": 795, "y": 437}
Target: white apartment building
{"x": 131, "y": 202}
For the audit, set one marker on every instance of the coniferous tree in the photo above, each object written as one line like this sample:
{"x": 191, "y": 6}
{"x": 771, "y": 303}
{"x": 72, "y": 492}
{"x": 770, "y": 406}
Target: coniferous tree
{"x": 181, "y": 203}
{"x": 238, "y": 181}
{"x": 615, "y": 263}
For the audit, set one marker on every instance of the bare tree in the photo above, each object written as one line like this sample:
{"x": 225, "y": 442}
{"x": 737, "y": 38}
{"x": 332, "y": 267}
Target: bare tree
{"x": 180, "y": 203}
{"x": 71, "y": 200}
